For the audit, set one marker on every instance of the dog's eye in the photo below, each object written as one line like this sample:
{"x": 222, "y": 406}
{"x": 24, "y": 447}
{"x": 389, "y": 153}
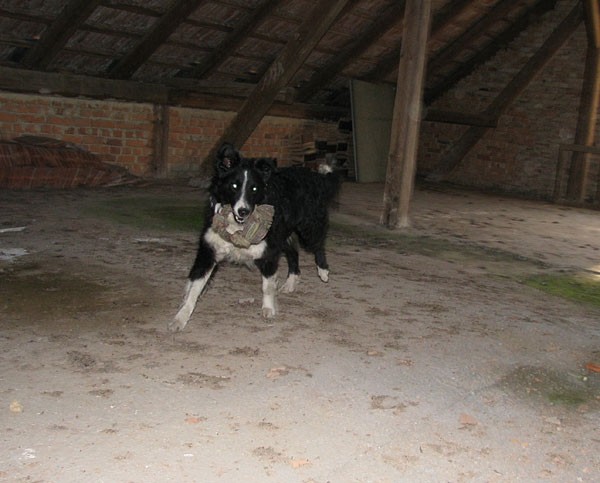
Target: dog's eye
{"x": 234, "y": 186}
{"x": 254, "y": 189}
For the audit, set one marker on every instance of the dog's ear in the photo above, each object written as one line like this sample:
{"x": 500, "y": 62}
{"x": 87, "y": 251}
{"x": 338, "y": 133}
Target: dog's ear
{"x": 227, "y": 158}
{"x": 266, "y": 167}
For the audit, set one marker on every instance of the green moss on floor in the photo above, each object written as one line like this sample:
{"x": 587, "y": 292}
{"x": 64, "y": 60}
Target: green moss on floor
{"x": 552, "y": 386}
{"x": 376, "y": 237}
{"x": 154, "y": 213}
{"x": 579, "y": 288}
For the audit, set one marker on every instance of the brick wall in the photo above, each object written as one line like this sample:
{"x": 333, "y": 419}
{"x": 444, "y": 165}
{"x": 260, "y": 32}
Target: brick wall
{"x": 520, "y": 155}
{"x": 193, "y": 132}
{"x": 122, "y": 133}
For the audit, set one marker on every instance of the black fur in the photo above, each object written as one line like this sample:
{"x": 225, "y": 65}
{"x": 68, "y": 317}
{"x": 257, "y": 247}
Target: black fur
{"x": 300, "y": 198}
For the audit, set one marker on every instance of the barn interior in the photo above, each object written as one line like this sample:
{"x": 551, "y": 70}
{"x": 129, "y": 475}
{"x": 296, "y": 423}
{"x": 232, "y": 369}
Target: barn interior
{"x": 458, "y": 337}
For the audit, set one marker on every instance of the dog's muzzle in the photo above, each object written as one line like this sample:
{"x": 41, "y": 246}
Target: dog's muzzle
{"x": 241, "y": 215}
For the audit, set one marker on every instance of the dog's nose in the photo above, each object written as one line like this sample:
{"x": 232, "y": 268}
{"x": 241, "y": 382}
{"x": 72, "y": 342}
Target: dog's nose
{"x": 243, "y": 212}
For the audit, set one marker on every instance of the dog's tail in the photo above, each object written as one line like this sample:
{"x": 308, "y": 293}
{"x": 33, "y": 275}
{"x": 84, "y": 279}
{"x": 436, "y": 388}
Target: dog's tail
{"x": 332, "y": 181}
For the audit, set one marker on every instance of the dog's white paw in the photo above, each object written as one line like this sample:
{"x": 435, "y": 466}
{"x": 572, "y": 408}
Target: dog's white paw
{"x": 268, "y": 312}
{"x": 290, "y": 283}
{"x": 323, "y": 274}
{"x": 179, "y": 322}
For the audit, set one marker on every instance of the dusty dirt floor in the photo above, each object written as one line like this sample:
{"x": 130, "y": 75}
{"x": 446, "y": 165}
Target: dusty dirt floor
{"x": 426, "y": 358}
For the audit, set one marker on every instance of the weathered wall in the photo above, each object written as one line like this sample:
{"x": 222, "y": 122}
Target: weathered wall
{"x": 520, "y": 155}
{"x": 122, "y": 133}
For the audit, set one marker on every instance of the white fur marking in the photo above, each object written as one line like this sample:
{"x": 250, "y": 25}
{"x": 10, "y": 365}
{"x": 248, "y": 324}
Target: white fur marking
{"x": 242, "y": 202}
{"x": 323, "y": 274}
{"x": 325, "y": 169}
{"x": 269, "y": 288}
{"x": 290, "y": 284}
{"x": 193, "y": 290}
{"x": 225, "y": 250}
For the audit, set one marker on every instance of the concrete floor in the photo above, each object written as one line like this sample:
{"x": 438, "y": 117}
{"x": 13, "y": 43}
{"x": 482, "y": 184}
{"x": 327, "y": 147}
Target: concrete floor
{"x": 426, "y": 357}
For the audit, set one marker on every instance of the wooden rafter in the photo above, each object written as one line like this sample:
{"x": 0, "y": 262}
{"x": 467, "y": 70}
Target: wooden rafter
{"x": 450, "y": 51}
{"x": 489, "y": 50}
{"x": 390, "y": 16}
{"x": 231, "y": 43}
{"x": 389, "y": 63}
{"x": 58, "y": 33}
{"x": 281, "y": 71}
{"x": 514, "y": 88}
{"x": 163, "y": 28}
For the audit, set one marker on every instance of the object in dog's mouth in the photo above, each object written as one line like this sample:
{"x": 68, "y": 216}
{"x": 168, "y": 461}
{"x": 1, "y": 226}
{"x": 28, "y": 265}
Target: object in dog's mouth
{"x": 251, "y": 232}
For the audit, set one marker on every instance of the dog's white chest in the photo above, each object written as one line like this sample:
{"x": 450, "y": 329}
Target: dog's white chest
{"x": 225, "y": 250}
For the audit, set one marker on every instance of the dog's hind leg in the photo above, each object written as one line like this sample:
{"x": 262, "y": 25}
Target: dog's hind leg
{"x": 322, "y": 265}
{"x": 312, "y": 237}
{"x": 291, "y": 255}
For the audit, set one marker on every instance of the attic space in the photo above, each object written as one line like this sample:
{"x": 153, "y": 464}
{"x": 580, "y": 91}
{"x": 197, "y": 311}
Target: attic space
{"x": 509, "y": 92}
{"x": 416, "y": 299}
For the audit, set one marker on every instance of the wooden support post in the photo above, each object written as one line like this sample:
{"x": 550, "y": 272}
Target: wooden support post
{"x": 161, "y": 141}
{"x": 588, "y": 106}
{"x": 402, "y": 158}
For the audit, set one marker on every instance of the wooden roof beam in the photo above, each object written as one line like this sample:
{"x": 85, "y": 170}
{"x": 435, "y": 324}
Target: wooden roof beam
{"x": 58, "y": 33}
{"x": 163, "y": 28}
{"x": 391, "y": 15}
{"x": 281, "y": 71}
{"x": 72, "y": 85}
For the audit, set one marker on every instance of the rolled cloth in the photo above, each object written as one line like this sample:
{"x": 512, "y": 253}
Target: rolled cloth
{"x": 253, "y": 231}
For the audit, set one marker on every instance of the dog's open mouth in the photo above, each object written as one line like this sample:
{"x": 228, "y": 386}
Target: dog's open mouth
{"x": 239, "y": 220}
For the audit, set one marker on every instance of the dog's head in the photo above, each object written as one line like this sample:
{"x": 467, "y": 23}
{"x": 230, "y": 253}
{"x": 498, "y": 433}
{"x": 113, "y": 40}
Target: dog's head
{"x": 240, "y": 182}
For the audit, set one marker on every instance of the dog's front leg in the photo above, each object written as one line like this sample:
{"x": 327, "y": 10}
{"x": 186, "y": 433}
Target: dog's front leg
{"x": 198, "y": 278}
{"x": 269, "y": 289}
{"x": 268, "y": 270}
{"x": 193, "y": 290}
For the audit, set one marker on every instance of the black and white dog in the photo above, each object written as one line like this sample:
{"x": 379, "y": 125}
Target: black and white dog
{"x": 300, "y": 198}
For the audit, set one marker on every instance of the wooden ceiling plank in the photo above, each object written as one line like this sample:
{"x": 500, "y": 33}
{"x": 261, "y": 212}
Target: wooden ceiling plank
{"x": 391, "y": 15}
{"x": 512, "y": 90}
{"x": 389, "y": 63}
{"x": 480, "y": 27}
{"x": 234, "y": 40}
{"x": 281, "y": 71}
{"x": 56, "y": 36}
{"x": 489, "y": 50}
{"x": 163, "y": 28}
